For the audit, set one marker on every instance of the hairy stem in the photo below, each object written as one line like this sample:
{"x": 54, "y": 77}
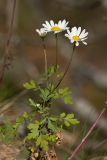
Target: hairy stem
{"x": 56, "y": 37}
{"x": 67, "y": 68}
{"x": 78, "y": 148}
{"x": 7, "y": 46}
{"x": 45, "y": 55}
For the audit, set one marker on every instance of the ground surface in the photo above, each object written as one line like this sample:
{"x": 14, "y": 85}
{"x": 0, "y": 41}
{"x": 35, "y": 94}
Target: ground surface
{"x": 8, "y": 152}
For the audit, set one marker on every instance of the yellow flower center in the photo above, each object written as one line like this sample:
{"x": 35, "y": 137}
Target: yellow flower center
{"x": 55, "y": 28}
{"x": 76, "y": 38}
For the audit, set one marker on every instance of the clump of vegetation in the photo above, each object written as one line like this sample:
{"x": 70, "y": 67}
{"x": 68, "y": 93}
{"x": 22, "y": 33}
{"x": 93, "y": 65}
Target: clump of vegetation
{"x": 43, "y": 128}
{"x": 45, "y": 131}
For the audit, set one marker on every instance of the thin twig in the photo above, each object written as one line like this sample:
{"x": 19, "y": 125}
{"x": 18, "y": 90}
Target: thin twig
{"x": 7, "y": 46}
{"x": 78, "y": 148}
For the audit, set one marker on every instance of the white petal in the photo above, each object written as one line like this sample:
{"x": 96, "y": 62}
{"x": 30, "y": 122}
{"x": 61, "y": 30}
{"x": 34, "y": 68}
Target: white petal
{"x": 78, "y": 31}
{"x": 66, "y": 35}
{"x": 83, "y": 35}
{"x": 84, "y": 30}
{"x": 74, "y": 30}
{"x": 55, "y": 25}
{"x": 82, "y": 39}
{"x": 68, "y": 31}
{"x": 72, "y": 40}
{"x": 64, "y": 21}
{"x": 37, "y": 30}
{"x": 47, "y": 29}
{"x": 62, "y": 25}
{"x": 84, "y": 43}
{"x": 52, "y": 23}
{"x": 67, "y": 28}
{"x": 43, "y": 30}
{"x": 56, "y": 32}
{"x": 44, "y": 25}
{"x": 64, "y": 28}
{"x": 59, "y": 23}
{"x": 77, "y": 43}
{"x": 48, "y": 25}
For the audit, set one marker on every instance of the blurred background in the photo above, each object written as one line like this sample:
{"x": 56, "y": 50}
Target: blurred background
{"x": 87, "y": 76}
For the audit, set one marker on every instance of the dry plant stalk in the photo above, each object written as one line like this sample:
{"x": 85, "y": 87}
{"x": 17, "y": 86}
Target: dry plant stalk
{"x": 83, "y": 141}
{"x": 7, "y": 46}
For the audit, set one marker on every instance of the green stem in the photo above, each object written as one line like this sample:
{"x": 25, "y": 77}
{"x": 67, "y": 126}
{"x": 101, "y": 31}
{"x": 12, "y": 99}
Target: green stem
{"x": 45, "y": 55}
{"x": 67, "y": 68}
{"x": 56, "y": 37}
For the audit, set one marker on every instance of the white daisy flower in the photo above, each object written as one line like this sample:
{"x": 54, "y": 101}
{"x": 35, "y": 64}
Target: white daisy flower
{"x": 56, "y": 27}
{"x": 41, "y": 32}
{"x": 77, "y": 35}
